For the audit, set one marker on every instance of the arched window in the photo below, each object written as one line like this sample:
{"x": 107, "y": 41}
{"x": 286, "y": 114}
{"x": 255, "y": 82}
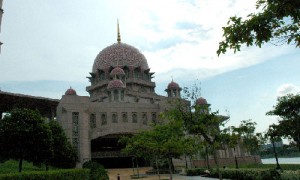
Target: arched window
{"x": 127, "y": 71}
{"x": 153, "y": 118}
{"x": 134, "y": 117}
{"x": 124, "y": 117}
{"x": 103, "y": 119}
{"x": 136, "y": 73}
{"x": 93, "y": 121}
{"x": 114, "y": 117}
{"x": 122, "y": 95}
{"x": 116, "y": 95}
{"x": 109, "y": 96}
{"x": 144, "y": 118}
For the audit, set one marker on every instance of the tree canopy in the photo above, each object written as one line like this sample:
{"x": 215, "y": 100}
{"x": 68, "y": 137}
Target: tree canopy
{"x": 288, "y": 109}
{"x": 163, "y": 141}
{"x": 276, "y": 21}
{"x": 64, "y": 155}
{"x": 24, "y": 135}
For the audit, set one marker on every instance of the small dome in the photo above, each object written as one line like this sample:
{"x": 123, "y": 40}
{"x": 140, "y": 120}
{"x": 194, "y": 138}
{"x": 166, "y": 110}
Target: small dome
{"x": 201, "y": 101}
{"x": 117, "y": 71}
{"x": 70, "y": 91}
{"x": 173, "y": 85}
{"x": 115, "y": 84}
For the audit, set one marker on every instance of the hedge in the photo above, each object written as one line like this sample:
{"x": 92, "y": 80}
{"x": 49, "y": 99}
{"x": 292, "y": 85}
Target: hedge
{"x": 68, "y": 174}
{"x": 248, "y": 174}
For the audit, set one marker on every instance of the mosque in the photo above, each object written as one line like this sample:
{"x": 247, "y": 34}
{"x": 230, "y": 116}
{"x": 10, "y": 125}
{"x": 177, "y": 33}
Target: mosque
{"x": 121, "y": 101}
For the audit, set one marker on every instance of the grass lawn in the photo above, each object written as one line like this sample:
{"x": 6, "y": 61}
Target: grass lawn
{"x": 12, "y": 166}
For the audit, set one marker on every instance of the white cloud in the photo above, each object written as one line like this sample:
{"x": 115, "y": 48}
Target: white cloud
{"x": 288, "y": 89}
{"x": 172, "y": 34}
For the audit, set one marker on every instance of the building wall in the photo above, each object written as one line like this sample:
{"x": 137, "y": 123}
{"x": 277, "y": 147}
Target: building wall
{"x": 145, "y": 109}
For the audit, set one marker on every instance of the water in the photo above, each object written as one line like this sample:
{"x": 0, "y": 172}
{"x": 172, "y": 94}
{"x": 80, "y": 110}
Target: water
{"x": 292, "y": 160}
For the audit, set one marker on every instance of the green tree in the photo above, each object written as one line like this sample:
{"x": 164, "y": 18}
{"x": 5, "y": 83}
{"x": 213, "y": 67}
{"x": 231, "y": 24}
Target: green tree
{"x": 200, "y": 121}
{"x": 232, "y": 138}
{"x": 288, "y": 109}
{"x": 274, "y": 135}
{"x": 250, "y": 139}
{"x": 163, "y": 141}
{"x": 64, "y": 155}
{"x": 243, "y": 135}
{"x": 24, "y": 135}
{"x": 276, "y": 20}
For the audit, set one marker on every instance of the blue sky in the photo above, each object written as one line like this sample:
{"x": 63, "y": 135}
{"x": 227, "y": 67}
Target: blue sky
{"x": 50, "y": 45}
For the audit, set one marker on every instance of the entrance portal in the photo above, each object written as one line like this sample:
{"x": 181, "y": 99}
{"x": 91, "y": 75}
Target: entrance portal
{"x": 107, "y": 151}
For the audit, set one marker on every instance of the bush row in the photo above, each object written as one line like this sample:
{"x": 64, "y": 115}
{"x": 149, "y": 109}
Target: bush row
{"x": 268, "y": 166}
{"x": 248, "y": 174}
{"x": 68, "y": 174}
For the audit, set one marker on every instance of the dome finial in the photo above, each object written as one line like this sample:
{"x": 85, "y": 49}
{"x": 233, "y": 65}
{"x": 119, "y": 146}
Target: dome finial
{"x": 119, "y": 36}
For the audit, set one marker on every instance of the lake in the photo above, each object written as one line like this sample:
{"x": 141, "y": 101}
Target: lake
{"x": 292, "y": 160}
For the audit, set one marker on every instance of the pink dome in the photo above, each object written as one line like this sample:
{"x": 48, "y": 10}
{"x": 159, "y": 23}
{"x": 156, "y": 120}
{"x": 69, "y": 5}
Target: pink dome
{"x": 201, "y": 101}
{"x": 119, "y": 54}
{"x": 115, "y": 84}
{"x": 117, "y": 71}
{"x": 70, "y": 91}
{"x": 173, "y": 85}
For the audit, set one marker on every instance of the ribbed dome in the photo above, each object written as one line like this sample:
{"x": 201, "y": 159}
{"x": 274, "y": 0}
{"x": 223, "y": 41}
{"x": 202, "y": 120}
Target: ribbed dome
{"x": 70, "y": 91}
{"x": 115, "y": 84}
{"x": 173, "y": 85}
{"x": 119, "y": 54}
{"x": 117, "y": 71}
{"x": 201, "y": 101}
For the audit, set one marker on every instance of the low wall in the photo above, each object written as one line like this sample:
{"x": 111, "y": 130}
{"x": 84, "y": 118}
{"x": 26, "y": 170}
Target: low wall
{"x": 228, "y": 161}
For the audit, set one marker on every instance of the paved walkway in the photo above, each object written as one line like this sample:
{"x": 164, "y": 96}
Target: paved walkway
{"x": 124, "y": 174}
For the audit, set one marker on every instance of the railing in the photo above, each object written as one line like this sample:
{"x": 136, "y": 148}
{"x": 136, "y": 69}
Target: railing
{"x": 106, "y": 154}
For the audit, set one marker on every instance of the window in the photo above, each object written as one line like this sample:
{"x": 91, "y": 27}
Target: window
{"x": 126, "y": 70}
{"x": 93, "y": 121}
{"x": 75, "y": 132}
{"x": 144, "y": 118}
{"x": 124, "y": 117}
{"x": 116, "y": 95}
{"x": 102, "y": 75}
{"x": 136, "y": 73}
{"x": 103, "y": 119}
{"x": 153, "y": 118}
{"x": 134, "y": 117}
{"x": 122, "y": 95}
{"x": 114, "y": 117}
{"x": 109, "y": 96}
{"x": 173, "y": 93}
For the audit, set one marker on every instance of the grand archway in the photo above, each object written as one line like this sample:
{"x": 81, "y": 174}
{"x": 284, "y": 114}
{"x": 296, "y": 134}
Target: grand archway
{"x": 107, "y": 151}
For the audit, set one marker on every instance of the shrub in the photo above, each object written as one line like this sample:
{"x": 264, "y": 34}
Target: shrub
{"x": 197, "y": 171}
{"x": 67, "y": 174}
{"x": 290, "y": 175}
{"x": 97, "y": 171}
{"x": 248, "y": 174}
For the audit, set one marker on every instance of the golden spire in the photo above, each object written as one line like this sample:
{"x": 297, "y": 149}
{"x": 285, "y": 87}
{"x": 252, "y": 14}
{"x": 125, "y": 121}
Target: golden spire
{"x": 119, "y": 36}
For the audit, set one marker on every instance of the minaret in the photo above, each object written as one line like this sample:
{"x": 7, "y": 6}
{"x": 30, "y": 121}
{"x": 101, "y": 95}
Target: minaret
{"x": 118, "y": 29}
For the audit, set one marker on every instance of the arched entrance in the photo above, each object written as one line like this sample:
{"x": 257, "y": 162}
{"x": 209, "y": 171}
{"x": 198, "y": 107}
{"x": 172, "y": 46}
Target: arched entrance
{"x": 107, "y": 151}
